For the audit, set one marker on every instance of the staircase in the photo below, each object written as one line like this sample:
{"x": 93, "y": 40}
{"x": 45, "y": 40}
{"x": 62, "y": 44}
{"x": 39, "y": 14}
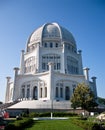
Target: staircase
{"x": 5, "y": 105}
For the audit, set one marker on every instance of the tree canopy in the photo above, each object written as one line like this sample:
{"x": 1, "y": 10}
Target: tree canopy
{"x": 83, "y": 97}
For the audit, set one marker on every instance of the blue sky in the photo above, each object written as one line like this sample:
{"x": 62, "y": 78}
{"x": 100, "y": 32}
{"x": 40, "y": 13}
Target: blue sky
{"x": 84, "y": 18}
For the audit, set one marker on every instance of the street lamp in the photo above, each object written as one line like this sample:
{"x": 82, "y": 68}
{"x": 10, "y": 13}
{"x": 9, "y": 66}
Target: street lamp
{"x": 51, "y": 68}
{"x": 52, "y": 108}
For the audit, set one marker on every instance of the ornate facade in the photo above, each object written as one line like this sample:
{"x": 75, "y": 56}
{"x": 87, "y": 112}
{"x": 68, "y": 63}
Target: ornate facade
{"x": 50, "y": 68}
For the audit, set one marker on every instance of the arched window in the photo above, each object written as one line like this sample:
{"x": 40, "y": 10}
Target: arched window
{"x": 41, "y": 92}
{"x": 56, "y": 59}
{"x": 58, "y": 66}
{"x": 61, "y": 92}
{"x": 35, "y": 93}
{"x": 45, "y": 44}
{"x": 56, "y": 44}
{"x": 67, "y": 93}
{"x": 29, "y": 65}
{"x": 23, "y": 93}
{"x": 56, "y": 92}
{"x": 28, "y": 92}
{"x": 51, "y": 45}
{"x": 72, "y": 65}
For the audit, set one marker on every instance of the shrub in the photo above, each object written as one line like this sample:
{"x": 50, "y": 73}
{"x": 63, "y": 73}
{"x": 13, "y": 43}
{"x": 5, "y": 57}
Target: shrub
{"x": 86, "y": 125}
{"x": 95, "y": 126}
{"x": 19, "y": 124}
{"x": 10, "y": 127}
{"x": 33, "y": 114}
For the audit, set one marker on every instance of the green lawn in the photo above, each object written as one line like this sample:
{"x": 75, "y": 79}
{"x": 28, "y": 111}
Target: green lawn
{"x": 54, "y": 125}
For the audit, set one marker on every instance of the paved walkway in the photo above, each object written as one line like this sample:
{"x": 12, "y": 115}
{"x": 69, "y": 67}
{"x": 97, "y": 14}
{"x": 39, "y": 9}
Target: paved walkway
{"x": 51, "y": 118}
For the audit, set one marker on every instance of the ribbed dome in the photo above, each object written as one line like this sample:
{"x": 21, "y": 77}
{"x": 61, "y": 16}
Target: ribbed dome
{"x": 51, "y": 31}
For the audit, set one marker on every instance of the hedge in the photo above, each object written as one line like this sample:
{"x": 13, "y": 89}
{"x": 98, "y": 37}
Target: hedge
{"x": 55, "y": 114}
{"x": 86, "y": 125}
{"x": 19, "y": 124}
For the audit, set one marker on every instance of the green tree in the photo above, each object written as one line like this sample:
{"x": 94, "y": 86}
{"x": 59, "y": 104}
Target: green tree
{"x": 83, "y": 97}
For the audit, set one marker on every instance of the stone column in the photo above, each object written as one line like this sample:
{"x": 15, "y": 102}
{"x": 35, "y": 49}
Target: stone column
{"x": 25, "y": 92}
{"x": 15, "y": 89}
{"x": 30, "y": 91}
{"x": 80, "y": 62}
{"x": 16, "y": 70}
{"x": 86, "y": 73}
{"x": 38, "y": 89}
{"x": 71, "y": 91}
{"x": 59, "y": 96}
{"x": 95, "y": 88}
{"x": 22, "y": 62}
{"x": 43, "y": 91}
{"x": 7, "y": 89}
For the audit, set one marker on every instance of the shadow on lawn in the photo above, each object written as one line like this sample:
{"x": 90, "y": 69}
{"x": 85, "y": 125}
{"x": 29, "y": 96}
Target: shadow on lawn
{"x": 29, "y": 125}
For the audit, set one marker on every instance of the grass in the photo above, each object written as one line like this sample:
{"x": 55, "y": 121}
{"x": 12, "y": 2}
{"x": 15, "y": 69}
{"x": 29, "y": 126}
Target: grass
{"x": 54, "y": 125}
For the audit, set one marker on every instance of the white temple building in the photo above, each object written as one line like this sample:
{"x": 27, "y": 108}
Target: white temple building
{"x": 50, "y": 69}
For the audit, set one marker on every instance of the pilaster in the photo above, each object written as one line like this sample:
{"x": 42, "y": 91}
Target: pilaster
{"x": 38, "y": 57}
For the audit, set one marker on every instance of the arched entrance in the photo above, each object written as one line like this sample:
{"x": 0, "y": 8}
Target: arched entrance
{"x": 67, "y": 93}
{"x": 23, "y": 93}
{"x": 28, "y": 93}
{"x": 35, "y": 93}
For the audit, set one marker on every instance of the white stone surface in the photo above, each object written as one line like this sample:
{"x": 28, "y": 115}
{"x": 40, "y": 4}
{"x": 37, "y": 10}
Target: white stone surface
{"x": 39, "y": 80}
{"x": 36, "y": 104}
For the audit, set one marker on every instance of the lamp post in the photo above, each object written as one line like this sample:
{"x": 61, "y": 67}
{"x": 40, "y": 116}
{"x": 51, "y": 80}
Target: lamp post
{"x": 52, "y": 98}
{"x": 51, "y": 67}
{"x": 52, "y": 108}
